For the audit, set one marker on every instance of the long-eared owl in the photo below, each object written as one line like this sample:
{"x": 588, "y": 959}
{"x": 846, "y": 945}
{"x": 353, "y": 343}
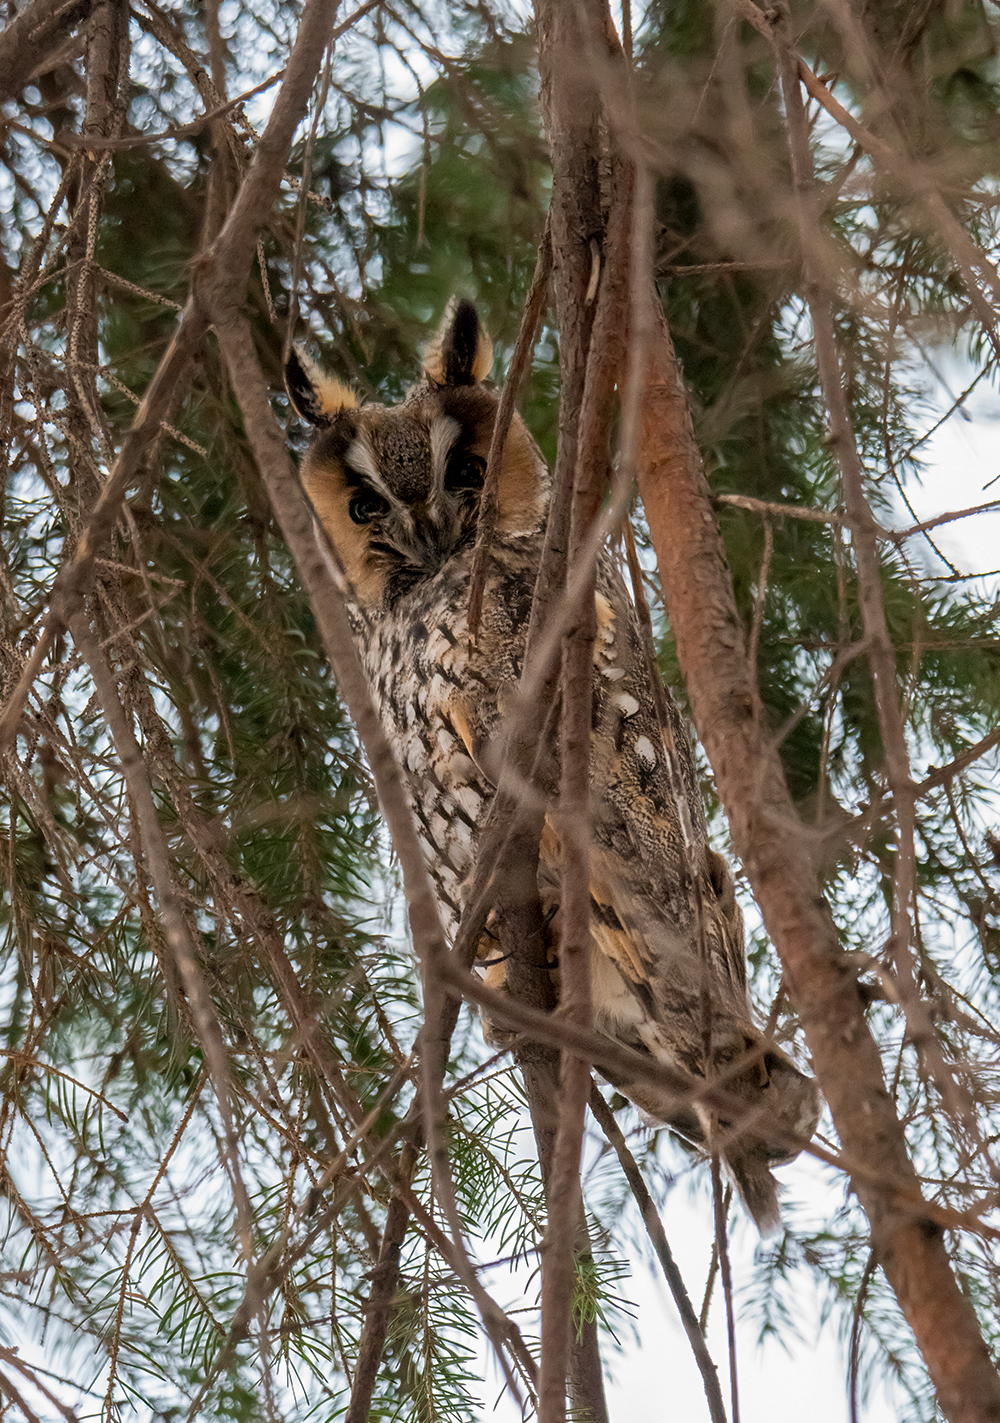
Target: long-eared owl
{"x": 397, "y": 490}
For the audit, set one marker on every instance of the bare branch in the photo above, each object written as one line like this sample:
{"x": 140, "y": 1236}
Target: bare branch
{"x": 658, "y": 1238}
{"x": 534, "y": 305}
{"x": 767, "y": 836}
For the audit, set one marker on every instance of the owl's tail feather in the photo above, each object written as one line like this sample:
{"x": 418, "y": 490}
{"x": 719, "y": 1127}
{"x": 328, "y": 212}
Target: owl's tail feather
{"x": 773, "y": 1092}
{"x": 757, "y": 1187}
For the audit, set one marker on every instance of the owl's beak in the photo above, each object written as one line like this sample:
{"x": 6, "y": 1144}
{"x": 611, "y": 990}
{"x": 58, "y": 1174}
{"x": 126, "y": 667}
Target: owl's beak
{"x": 423, "y": 537}
{"x": 439, "y": 527}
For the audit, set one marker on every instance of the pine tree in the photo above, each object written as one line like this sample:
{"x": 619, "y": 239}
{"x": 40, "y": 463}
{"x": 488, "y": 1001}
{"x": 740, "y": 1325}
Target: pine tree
{"x": 218, "y": 1198}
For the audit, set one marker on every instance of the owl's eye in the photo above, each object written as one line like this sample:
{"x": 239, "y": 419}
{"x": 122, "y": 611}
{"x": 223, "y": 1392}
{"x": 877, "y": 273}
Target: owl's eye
{"x": 465, "y": 472}
{"x": 366, "y": 505}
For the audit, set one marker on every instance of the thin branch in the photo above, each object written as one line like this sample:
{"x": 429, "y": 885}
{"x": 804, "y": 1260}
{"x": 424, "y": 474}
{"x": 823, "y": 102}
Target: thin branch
{"x": 141, "y": 140}
{"x": 781, "y": 511}
{"x": 34, "y": 34}
{"x": 177, "y": 934}
{"x": 319, "y": 577}
{"x": 898, "y": 536}
{"x": 602, "y": 1052}
{"x": 534, "y": 305}
{"x": 720, "y": 1213}
{"x": 864, "y": 535}
{"x": 658, "y": 1238}
{"x": 768, "y": 837}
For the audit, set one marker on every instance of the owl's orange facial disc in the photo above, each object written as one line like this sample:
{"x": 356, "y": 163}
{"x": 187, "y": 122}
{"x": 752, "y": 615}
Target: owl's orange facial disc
{"x": 398, "y": 489}
{"x": 398, "y": 492}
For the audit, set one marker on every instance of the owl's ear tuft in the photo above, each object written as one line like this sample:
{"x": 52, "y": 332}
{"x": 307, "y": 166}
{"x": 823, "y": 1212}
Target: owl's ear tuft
{"x": 315, "y": 396}
{"x": 461, "y": 353}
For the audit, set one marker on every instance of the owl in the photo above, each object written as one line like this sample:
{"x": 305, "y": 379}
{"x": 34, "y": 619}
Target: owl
{"x": 397, "y": 489}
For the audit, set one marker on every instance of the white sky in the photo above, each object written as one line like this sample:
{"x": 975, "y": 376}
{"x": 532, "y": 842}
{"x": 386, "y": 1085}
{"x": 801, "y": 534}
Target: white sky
{"x": 657, "y": 1381}
{"x": 962, "y": 458}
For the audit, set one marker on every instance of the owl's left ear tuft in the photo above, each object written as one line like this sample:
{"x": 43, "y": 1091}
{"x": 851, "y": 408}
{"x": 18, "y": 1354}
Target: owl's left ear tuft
{"x": 315, "y": 396}
{"x": 461, "y": 353}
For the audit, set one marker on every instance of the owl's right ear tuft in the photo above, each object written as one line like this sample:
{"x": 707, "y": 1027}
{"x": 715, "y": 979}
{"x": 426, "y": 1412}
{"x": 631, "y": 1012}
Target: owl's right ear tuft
{"x": 315, "y": 396}
{"x": 461, "y": 353}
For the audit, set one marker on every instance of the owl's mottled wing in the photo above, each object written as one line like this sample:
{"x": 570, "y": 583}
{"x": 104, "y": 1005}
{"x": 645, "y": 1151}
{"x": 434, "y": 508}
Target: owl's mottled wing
{"x": 651, "y": 866}
{"x": 649, "y": 848}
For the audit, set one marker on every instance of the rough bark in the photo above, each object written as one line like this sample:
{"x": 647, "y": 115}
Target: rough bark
{"x": 570, "y": 39}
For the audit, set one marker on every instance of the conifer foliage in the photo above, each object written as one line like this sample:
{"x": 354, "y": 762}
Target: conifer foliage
{"x": 256, "y": 1156}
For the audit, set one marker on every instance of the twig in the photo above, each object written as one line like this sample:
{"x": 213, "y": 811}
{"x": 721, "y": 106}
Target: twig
{"x": 34, "y": 32}
{"x": 781, "y": 511}
{"x": 853, "y": 1359}
{"x": 767, "y": 835}
{"x": 966, "y": 255}
{"x": 175, "y": 926}
{"x": 827, "y": 516}
{"x": 591, "y": 477}
{"x": 654, "y": 1228}
{"x": 530, "y": 316}
{"x": 864, "y": 534}
{"x": 26, "y": 1061}
{"x": 384, "y": 1283}
{"x": 10, "y": 1356}
{"x": 713, "y": 1270}
{"x": 956, "y": 404}
{"x": 897, "y": 536}
{"x": 224, "y": 269}
{"x": 720, "y": 1213}
{"x": 602, "y": 1052}
{"x": 933, "y": 781}
{"x": 140, "y": 140}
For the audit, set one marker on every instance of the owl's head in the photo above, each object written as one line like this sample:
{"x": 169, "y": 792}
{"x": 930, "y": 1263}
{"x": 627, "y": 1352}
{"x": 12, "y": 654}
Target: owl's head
{"x": 397, "y": 488}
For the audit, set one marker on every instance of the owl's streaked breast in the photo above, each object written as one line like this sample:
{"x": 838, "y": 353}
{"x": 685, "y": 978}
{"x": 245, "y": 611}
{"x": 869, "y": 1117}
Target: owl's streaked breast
{"x": 430, "y": 686}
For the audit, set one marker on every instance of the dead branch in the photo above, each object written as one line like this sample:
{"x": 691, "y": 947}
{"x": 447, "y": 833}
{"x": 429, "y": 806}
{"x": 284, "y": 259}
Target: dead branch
{"x": 176, "y": 930}
{"x": 226, "y": 267}
{"x": 531, "y": 315}
{"x": 142, "y": 140}
{"x": 601, "y": 1052}
{"x": 881, "y": 652}
{"x": 381, "y": 1297}
{"x": 973, "y": 265}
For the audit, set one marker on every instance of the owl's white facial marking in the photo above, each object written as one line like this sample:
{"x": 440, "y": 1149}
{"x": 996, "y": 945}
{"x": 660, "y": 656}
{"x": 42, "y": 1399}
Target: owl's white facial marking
{"x": 444, "y": 432}
{"x": 361, "y": 457}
